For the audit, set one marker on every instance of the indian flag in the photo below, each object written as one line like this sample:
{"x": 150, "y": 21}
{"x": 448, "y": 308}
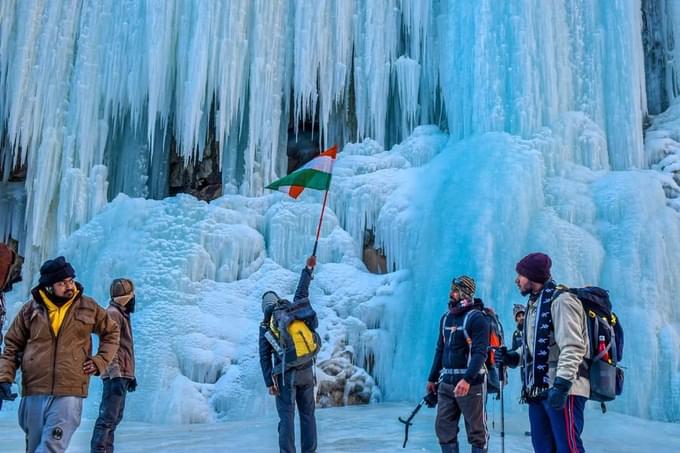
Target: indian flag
{"x": 315, "y": 174}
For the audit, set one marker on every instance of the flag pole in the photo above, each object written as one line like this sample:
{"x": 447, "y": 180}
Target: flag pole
{"x": 318, "y": 229}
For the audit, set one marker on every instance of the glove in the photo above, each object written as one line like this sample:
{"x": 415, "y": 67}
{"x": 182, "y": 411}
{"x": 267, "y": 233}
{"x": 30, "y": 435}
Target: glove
{"x": 430, "y": 400}
{"x": 504, "y": 357}
{"x": 557, "y": 394}
{"x": 132, "y": 385}
{"x": 6, "y": 392}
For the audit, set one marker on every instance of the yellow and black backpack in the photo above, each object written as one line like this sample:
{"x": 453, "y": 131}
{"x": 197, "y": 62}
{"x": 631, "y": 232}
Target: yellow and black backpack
{"x": 291, "y": 332}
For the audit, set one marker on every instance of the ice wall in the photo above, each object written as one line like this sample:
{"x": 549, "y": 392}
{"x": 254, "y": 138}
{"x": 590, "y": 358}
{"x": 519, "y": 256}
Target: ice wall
{"x": 199, "y": 271}
{"x": 661, "y": 22}
{"x": 88, "y": 83}
{"x": 541, "y": 100}
{"x": 482, "y": 203}
{"x": 516, "y": 66}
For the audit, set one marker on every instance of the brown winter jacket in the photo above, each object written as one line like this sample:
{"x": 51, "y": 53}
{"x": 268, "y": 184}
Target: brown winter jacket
{"x": 53, "y": 365}
{"x": 123, "y": 364}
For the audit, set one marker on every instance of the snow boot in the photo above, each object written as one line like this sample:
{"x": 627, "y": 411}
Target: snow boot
{"x": 449, "y": 448}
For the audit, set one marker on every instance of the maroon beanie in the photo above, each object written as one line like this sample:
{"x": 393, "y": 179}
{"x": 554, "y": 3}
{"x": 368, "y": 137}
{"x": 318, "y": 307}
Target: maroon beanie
{"x": 535, "y": 267}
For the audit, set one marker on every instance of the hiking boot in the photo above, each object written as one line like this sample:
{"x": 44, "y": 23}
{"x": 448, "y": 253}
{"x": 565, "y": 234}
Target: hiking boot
{"x": 449, "y": 448}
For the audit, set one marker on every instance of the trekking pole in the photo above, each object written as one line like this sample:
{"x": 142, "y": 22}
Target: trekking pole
{"x": 430, "y": 400}
{"x": 407, "y": 423}
{"x": 501, "y": 378}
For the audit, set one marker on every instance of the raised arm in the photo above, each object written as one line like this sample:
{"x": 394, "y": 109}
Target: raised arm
{"x": 306, "y": 277}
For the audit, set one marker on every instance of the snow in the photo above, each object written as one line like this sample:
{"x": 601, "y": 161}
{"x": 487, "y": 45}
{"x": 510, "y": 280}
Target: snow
{"x": 474, "y": 133}
{"x": 360, "y": 429}
{"x": 200, "y": 268}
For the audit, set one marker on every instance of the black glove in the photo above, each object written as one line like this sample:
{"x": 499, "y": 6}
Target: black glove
{"x": 132, "y": 385}
{"x": 6, "y": 392}
{"x": 504, "y": 357}
{"x": 430, "y": 400}
{"x": 557, "y": 394}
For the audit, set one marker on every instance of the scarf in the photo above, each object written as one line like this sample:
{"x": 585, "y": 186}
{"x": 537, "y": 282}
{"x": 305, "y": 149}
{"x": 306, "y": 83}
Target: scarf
{"x": 464, "y": 305}
{"x": 57, "y": 309}
{"x": 536, "y": 380}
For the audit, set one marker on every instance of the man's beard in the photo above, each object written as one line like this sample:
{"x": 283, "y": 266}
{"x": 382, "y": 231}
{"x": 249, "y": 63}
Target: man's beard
{"x": 520, "y": 325}
{"x": 524, "y": 292}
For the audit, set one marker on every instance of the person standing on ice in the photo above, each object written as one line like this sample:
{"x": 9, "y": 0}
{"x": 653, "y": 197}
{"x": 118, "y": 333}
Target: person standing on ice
{"x": 555, "y": 384}
{"x": 10, "y": 273}
{"x": 119, "y": 378}
{"x": 291, "y": 385}
{"x": 518, "y": 314}
{"x": 458, "y": 374}
{"x": 50, "y": 339}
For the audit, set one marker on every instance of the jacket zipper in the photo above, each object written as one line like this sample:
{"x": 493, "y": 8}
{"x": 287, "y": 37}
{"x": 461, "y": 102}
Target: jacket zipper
{"x": 54, "y": 361}
{"x": 56, "y": 345}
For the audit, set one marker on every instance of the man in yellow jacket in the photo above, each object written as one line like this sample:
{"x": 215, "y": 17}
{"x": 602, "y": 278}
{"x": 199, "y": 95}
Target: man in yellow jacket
{"x": 57, "y": 362}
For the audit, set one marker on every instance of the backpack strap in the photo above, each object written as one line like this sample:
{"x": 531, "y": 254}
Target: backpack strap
{"x": 468, "y": 339}
{"x": 442, "y": 328}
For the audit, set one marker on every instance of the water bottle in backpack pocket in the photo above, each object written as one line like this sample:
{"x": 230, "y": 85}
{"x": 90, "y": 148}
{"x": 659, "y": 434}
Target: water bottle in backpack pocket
{"x": 605, "y": 335}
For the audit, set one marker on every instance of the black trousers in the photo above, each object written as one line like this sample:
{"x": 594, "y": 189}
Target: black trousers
{"x": 297, "y": 391}
{"x": 110, "y": 414}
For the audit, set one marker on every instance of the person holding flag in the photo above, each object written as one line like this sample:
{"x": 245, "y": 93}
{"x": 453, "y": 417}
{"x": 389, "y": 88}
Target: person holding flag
{"x": 292, "y": 382}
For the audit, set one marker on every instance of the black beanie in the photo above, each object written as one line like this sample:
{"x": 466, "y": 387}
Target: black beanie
{"x": 535, "y": 267}
{"x": 56, "y": 270}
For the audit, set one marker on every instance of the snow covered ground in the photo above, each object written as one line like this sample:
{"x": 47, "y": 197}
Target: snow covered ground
{"x": 371, "y": 428}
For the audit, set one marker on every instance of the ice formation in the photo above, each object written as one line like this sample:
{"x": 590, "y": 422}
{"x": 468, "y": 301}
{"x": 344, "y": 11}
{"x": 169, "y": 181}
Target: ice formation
{"x": 473, "y": 132}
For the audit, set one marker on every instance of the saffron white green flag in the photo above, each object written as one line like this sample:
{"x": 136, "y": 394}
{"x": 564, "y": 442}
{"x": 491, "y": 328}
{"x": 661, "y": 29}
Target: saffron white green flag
{"x": 315, "y": 174}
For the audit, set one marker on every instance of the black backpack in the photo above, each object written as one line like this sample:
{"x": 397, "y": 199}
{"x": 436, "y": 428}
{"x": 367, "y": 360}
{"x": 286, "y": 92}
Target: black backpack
{"x": 606, "y": 377}
{"x": 291, "y": 332}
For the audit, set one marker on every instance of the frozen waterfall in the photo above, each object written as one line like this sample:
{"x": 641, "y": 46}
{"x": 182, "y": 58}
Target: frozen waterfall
{"x": 472, "y": 133}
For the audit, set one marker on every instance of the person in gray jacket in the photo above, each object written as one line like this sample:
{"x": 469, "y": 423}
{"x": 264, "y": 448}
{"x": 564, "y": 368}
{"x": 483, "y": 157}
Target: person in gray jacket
{"x": 119, "y": 378}
{"x": 555, "y": 385}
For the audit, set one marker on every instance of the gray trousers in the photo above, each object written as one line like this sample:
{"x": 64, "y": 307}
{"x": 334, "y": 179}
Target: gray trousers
{"x": 299, "y": 390}
{"x": 49, "y": 421}
{"x": 449, "y": 410}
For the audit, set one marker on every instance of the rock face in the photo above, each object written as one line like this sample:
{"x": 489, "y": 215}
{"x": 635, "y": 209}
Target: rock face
{"x": 340, "y": 383}
{"x": 202, "y": 179}
{"x": 374, "y": 258}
